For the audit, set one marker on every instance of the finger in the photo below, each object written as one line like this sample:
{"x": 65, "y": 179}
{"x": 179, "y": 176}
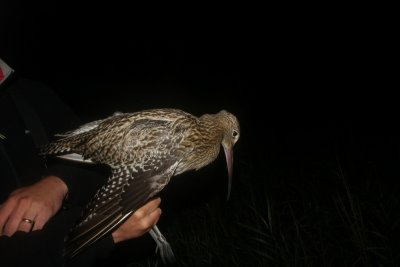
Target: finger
{"x": 150, "y": 206}
{"x": 41, "y": 220}
{"x": 41, "y": 213}
{"x": 146, "y": 209}
{"x": 27, "y": 226}
{"x": 5, "y": 210}
{"x": 149, "y": 221}
{"x": 155, "y": 216}
{"x": 16, "y": 216}
{"x": 17, "y": 191}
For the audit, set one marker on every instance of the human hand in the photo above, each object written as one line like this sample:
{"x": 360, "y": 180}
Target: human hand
{"x": 139, "y": 222}
{"x": 36, "y": 203}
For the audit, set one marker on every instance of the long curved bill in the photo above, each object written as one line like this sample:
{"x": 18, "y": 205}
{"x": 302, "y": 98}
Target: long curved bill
{"x": 229, "y": 163}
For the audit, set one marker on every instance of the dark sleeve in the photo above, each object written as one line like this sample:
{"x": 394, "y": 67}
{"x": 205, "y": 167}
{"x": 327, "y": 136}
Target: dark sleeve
{"x": 93, "y": 255}
{"x": 82, "y": 180}
{"x": 57, "y": 117}
{"x": 45, "y": 247}
{"x": 24, "y": 249}
{"x": 39, "y": 248}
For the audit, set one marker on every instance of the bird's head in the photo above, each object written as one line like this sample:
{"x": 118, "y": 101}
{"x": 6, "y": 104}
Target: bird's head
{"x": 231, "y": 136}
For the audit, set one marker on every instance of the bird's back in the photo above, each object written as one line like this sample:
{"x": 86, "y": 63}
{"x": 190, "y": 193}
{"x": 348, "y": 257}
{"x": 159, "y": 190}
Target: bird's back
{"x": 125, "y": 137}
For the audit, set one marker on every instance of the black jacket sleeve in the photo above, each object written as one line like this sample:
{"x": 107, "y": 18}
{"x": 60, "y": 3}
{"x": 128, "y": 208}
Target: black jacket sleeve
{"x": 23, "y": 249}
{"x": 56, "y": 117}
{"x": 82, "y": 180}
{"x": 45, "y": 247}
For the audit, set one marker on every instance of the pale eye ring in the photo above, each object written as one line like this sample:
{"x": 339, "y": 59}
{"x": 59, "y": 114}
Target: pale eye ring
{"x": 235, "y": 133}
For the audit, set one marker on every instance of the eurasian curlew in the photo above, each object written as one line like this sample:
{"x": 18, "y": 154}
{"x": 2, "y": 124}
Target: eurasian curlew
{"x": 144, "y": 150}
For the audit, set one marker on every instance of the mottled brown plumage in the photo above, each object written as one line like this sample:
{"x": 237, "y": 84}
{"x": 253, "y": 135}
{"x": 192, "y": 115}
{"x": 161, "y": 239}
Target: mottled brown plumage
{"x": 144, "y": 150}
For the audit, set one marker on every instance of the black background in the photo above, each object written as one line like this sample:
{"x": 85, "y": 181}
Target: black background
{"x": 295, "y": 77}
{"x": 304, "y": 84}
{"x": 300, "y": 82}
{"x": 278, "y": 69}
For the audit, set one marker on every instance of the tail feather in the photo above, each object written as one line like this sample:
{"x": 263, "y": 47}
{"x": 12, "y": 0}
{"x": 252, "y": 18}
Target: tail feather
{"x": 71, "y": 144}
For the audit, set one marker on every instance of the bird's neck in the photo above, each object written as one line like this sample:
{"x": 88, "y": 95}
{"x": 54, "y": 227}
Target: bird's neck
{"x": 206, "y": 138}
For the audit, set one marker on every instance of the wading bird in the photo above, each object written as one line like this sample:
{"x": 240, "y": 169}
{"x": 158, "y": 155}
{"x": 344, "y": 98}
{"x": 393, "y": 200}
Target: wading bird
{"x": 144, "y": 150}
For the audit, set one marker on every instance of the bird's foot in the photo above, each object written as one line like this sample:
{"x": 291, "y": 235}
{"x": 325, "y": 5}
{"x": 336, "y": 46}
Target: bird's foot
{"x": 166, "y": 253}
{"x": 163, "y": 247}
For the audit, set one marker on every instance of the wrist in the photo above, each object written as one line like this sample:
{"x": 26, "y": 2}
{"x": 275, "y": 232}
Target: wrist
{"x": 57, "y": 184}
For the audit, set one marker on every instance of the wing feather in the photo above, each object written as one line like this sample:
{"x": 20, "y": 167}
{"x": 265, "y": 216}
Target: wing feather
{"x": 105, "y": 215}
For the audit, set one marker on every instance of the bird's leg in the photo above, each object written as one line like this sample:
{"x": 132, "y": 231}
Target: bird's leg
{"x": 163, "y": 247}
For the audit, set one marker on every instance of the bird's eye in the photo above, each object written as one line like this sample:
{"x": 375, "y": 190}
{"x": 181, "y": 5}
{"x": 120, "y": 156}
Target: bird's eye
{"x": 235, "y": 133}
